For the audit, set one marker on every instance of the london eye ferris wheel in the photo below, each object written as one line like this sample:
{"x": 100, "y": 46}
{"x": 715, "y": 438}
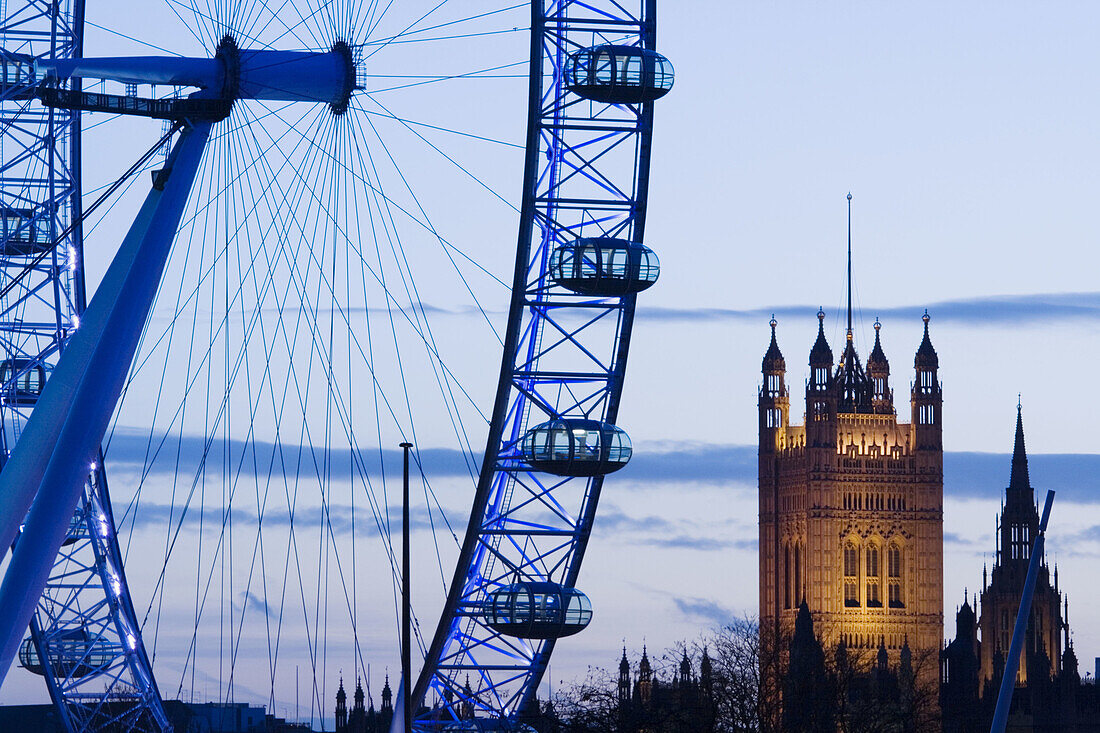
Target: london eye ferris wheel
{"x": 309, "y": 209}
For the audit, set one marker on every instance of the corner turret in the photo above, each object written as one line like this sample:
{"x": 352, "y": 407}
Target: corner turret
{"x": 878, "y": 372}
{"x": 774, "y": 402}
{"x": 821, "y": 405}
{"x": 927, "y": 399}
{"x": 387, "y": 698}
{"x": 624, "y": 679}
{"x": 341, "y": 708}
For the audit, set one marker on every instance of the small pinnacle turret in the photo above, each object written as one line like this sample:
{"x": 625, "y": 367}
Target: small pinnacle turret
{"x": 877, "y": 355}
{"x": 926, "y": 357}
{"x": 821, "y": 355}
{"x": 773, "y": 357}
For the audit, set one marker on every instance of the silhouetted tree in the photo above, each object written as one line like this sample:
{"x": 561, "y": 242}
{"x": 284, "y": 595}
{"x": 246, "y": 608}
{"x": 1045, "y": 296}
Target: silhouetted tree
{"x": 763, "y": 682}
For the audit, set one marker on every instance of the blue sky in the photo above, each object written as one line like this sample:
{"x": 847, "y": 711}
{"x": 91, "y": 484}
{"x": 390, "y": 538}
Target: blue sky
{"x": 966, "y": 134}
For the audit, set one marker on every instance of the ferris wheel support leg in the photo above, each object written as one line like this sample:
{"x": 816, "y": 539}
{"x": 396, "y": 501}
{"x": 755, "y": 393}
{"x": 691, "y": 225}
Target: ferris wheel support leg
{"x": 51, "y": 462}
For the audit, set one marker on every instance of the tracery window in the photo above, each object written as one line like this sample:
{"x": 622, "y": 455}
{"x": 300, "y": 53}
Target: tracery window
{"x": 786, "y": 576}
{"x": 893, "y": 573}
{"x": 798, "y": 594}
{"x": 874, "y": 596}
{"x": 851, "y": 575}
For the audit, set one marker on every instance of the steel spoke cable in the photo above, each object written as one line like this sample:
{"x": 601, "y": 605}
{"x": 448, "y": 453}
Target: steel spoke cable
{"x": 131, "y": 38}
{"x": 438, "y": 238}
{"x": 400, "y": 40}
{"x": 389, "y": 295}
{"x": 413, "y": 296}
{"x": 248, "y": 23}
{"x": 356, "y": 452}
{"x": 451, "y": 160}
{"x": 464, "y": 440}
{"x": 210, "y": 22}
{"x": 412, "y": 425}
{"x": 451, "y": 246}
{"x": 264, "y": 378}
{"x": 274, "y": 16}
{"x": 197, "y": 480}
{"x": 479, "y": 74}
{"x": 220, "y": 412}
{"x": 414, "y": 123}
{"x": 413, "y": 25}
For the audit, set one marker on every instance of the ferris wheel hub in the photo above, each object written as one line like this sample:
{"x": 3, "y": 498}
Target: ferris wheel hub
{"x": 234, "y": 73}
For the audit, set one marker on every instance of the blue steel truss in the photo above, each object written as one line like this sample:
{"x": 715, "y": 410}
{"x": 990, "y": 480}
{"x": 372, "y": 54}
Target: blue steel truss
{"x": 587, "y": 175}
{"x": 85, "y": 640}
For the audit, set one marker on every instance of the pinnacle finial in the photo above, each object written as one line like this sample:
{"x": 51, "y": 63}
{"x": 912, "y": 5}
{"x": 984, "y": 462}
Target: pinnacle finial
{"x": 1019, "y": 478}
{"x": 926, "y": 318}
{"x": 878, "y": 326}
{"x": 773, "y": 323}
{"x": 821, "y": 315}
{"x": 849, "y": 195}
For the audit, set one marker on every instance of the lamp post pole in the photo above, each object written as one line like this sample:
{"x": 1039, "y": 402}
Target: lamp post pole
{"x": 406, "y": 615}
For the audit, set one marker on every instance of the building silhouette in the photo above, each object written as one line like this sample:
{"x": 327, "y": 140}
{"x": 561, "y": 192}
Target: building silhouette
{"x": 363, "y": 718}
{"x": 851, "y": 500}
{"x": 1048, "y": 695}
{"x": 647, "y": 704}
{"x": 1017, "y": 528}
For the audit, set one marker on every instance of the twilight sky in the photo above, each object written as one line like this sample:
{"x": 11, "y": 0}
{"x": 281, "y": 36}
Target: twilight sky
{"x": 966, "y": 134}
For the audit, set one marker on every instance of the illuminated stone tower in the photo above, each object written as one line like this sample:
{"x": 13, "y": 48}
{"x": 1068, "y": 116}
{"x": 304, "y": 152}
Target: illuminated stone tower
{"x": 851, "y": 501}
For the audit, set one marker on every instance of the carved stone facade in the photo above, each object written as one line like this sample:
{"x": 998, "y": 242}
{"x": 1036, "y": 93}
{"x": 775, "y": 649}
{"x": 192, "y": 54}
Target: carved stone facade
{"x": 851, "y": 501}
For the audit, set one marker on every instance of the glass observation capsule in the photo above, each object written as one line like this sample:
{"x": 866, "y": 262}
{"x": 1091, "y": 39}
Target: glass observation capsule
{"x": 538, "y": 610}
{"x": 72, "y": 654}
{"x": 22, "y": 381}
{"x": 604, "y": 266}
{"x": 572, "y": 446}
{"x": 618, "y": 74}
{"x": 20, "y": 234}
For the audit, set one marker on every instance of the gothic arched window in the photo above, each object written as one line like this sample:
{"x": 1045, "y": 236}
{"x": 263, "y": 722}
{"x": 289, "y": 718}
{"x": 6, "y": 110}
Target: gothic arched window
{"x": 851, "y": 574}
{"x": 798, "y": 594}
{"x": 893, "y": 573}
{"x": 874, "y": 595}
{"x": 786, "y": 576}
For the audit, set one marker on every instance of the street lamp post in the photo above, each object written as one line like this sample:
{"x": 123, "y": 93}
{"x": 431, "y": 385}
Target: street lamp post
{"x": 406, "y": 615}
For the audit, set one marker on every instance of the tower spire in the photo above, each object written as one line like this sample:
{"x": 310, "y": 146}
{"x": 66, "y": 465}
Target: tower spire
{"x": 1019, "y": 477}
{"x": 849, "y": 266}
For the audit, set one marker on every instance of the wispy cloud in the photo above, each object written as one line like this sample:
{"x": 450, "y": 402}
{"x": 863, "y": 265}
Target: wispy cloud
{"x": 703, "y": 609}
{"x": 159, "y": 454}
{"x": 336, "y": 519}
{"x": 613, "y": 520}
{"x": 692, "y": 542}
{"x": 1076, "y": 477}
{"x": 990, "y": 310}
